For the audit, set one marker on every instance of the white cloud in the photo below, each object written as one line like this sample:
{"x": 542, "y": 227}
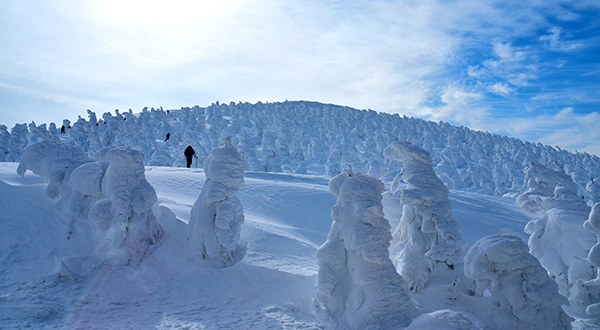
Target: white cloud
{"x": 555, "y": 41}
{"x": 567, "y": 129}
{"x": 500, "y": 88}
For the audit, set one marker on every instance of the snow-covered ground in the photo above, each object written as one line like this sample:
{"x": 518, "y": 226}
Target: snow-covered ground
{"x": 51, "y": 277}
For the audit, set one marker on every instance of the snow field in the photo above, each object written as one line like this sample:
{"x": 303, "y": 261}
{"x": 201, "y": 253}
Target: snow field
{"x": 287, "y": 219}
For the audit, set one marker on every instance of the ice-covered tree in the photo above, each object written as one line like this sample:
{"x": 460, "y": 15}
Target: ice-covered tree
{"x": 17, "y": 142}
{"x": 54, "y": 162}
{"x": 521, "y": 293}
{"x": 557, "y": 238}
{"x": 357, "y": 285}
{"x": 427, "y": 245}
{"x": 125, "y": 212}
{"x": 217, "y": 214}
{"x": 4, "y": 138}
{"x": 593, "y": 309}
{"x": 593, "y": 190}
{"x": 541, "y": 182}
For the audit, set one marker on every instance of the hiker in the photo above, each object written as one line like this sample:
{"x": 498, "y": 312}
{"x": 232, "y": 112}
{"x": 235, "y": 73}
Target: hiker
{"x": 189, "y": 153}
{"x": 168, "y": 136}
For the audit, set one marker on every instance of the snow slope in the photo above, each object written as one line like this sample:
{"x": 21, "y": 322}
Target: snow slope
{"x": 49, "y": 281}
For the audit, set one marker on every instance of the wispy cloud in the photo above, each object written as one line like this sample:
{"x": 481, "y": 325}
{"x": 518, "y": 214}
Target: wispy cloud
{"x": 468, "y": 62}
{"x": 556, "y": 41}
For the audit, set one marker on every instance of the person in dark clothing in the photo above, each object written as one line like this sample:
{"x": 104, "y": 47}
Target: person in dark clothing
{"x": 189, "y": 153}
{"x": 62, "y": 129}
{"x": 168, "y": 136}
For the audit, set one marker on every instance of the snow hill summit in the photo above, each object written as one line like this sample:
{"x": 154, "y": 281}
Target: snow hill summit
{"x": 295, "y": 215}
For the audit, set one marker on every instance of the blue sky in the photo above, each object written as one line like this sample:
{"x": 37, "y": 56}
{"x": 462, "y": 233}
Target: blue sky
{"x": 529, "y": 69}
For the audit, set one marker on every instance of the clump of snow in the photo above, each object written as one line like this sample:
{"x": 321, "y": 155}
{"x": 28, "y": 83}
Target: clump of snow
{"x": 446, "y": 320}
{"x": 357, "y": 286}
{"x": 125, "y": 212}
{"x": 427, "y": 244}
{"x": 522, "y": 293}
{"x": 217, "y": 214}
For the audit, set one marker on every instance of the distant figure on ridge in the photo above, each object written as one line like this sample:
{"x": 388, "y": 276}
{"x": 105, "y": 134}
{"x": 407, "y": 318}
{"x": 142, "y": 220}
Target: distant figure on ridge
{"x": 189, "y": 153}
{"x": 168, "y": 136}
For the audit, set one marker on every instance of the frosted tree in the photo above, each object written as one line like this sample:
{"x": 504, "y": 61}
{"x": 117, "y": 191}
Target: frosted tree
{"x": 541, "y": 182}
{"x": 54, "y": 162}
{"x": 593, "y": 309}
{"x": 86, "y": 189}
{"x": 427, "y": 243}
{"x": 4, "y": 138}
{"x": 217, "y": 214}
{"x": 125, "y": 213}
{"x": 357, "y": 284}
{"x": 521, "y": 293}
{"x": 557, "y": 238}
{"x": 17, "y": 142}
{"x": 592, "y": 189}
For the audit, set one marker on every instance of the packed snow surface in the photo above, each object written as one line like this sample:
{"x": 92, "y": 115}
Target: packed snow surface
{"x": 50, "y": 281}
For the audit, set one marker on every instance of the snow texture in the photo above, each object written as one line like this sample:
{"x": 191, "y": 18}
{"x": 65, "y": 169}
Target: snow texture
{"x": 427, "y": 245}
{"x": 522, "y": 293}
{"x": 217, "y": 215}
{"x": 357, "y": 286}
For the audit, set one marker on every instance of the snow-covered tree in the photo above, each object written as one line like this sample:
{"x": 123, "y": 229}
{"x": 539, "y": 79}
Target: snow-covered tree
{"x": 593, "y": 309}
{"x": 593, "y": 190}
{"x": 54, "y": 162}
{"x": 427, "y": 245}
{"x": 4, "y": 138}
{"x": 125, "y": 212}
{"x": 521, "y": 293}
{"x": 541, "y": 182}
{"x": 17, "y": 142}
{"x": 357, "y": 285}
{"x": 217, "y": 215}
{"x": 557, "y": 237}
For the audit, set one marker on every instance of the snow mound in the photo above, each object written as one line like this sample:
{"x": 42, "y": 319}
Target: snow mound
{"x": 446, "y": 320}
